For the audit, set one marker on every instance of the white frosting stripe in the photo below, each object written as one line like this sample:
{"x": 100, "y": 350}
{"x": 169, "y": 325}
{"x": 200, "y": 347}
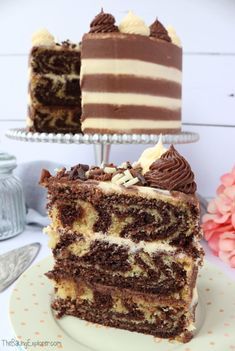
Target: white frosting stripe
{"x": 117, "y": 124}
{"x": 130, "y": 67}
{"x": 149, "y": 247}
{"x": 130, "y": 99}
{"x": 61, "y": 77}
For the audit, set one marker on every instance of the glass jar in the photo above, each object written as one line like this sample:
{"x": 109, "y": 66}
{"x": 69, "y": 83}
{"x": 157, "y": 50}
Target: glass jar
{"x": 12, "y": 205}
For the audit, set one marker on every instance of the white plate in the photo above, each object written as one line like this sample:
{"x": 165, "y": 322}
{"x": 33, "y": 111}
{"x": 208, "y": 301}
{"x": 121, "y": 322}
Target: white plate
{"x": 34, "y": 322}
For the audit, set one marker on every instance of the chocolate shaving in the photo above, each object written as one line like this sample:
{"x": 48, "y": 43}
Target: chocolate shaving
{"x": 61, "y": 173}
{"x": 67, "y": 44}
{"x": 112, "y": 165}
{"x": 78, "y": 172}
{"x": 136, "y": 173}
{"x": 128, "y": 165}
{"x": 97, "y": 173}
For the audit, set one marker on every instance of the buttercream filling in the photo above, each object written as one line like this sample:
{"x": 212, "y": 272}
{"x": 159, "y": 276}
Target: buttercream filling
{"x": 131, "y": 67}
{"x": 118, "y": 124}
{"x": 130, "y": 99}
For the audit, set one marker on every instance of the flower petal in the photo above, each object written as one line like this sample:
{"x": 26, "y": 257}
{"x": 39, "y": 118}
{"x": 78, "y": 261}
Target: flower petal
{"x": 228, "y": 235}
{"x": 230, "y": 192}
{"x": 208, "y": 217}
{"x": 233, "y": 220}
{"x": 225, "y": 228}
{"x": 233, "y": 171}
{"x": 227, "y": 179}
{"x": 208, "y": 234}
{"x": 222, "y": 219}
{"x": 223, "y": 203}
{"x": 212, "y": 206}
{"x": 208, "y": 224}
{"x": 220, "y": 189}
{"x": 226, "y": 244}
{"x": 214, "y": 243}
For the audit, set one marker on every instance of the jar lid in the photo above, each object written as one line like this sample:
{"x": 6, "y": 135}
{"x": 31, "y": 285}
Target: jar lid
{"x": 7, "y": 162}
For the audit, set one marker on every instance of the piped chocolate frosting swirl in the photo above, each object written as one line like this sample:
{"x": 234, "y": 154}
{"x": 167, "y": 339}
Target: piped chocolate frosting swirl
{"x": 103, "y": 23}
{"x": 171, "y": 172}
{"x": 157, "y": 30}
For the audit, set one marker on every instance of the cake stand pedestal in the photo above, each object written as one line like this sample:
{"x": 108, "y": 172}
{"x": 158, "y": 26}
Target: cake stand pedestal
{"x": 102, "y": 142}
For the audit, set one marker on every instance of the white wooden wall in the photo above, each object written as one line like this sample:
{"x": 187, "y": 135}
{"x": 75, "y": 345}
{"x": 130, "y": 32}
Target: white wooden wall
{"x": 207, "y": 30}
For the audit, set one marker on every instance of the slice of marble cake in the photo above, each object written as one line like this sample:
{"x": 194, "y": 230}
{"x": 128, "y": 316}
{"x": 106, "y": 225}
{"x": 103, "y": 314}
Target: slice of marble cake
{"x": 126, "y": 243}
{"x": 54, "y": 100}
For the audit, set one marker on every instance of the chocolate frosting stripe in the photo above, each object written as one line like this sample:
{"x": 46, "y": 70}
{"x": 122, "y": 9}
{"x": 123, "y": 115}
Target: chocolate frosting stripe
{"x": 126, "y": 111}
{"x": 120, "y": 46}
{"x": 130, "y": 84}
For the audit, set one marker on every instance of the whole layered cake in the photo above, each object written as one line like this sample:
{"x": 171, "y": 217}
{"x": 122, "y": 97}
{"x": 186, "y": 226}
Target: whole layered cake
{"x": 126, "y": 243}
{"x": 130, "y": 77}
{"x": 129, "y": 82}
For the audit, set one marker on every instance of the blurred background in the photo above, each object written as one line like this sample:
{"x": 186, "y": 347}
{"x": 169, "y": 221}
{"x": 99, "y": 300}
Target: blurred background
{"x": 207, "y": 32}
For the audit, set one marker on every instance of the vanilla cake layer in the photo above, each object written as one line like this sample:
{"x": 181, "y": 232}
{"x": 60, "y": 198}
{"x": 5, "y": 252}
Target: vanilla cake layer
{"x": 123, "y": 309}
{"x": 130, "y": 84}
{"x": 154, "y": 268}
{"x": 54, "y": 101}
{"x": 136, "y": 213}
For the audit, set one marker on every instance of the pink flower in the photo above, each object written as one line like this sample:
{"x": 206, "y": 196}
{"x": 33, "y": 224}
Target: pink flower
{"x": 227, "y": 248}
{"x": 219, "y": 223}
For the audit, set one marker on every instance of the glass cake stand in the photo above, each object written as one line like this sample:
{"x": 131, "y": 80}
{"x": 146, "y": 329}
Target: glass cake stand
{"x": 102, "y": 142}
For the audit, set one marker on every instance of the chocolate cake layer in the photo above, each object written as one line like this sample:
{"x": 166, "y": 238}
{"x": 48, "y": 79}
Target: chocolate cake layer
{"x": 55, "y": 91}
{"x": 115, "y": 308}
{"x": 57, "y": 60}
{"x": 146, "y": 268}
{"x": 116, "y": 211}
{"x": 126, "y": 46}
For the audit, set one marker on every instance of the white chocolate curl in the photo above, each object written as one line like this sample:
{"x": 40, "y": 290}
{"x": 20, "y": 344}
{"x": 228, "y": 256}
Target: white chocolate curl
{"x": 42, "y": 37}
{"x": 150, "y": 155}
{"x": 125, "y": 178}
{"x": 133, "y": 24}
{"x": 174, "y": 37}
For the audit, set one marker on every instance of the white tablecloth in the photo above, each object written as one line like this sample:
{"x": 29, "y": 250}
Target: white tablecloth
{"x": 34, "y": 234}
